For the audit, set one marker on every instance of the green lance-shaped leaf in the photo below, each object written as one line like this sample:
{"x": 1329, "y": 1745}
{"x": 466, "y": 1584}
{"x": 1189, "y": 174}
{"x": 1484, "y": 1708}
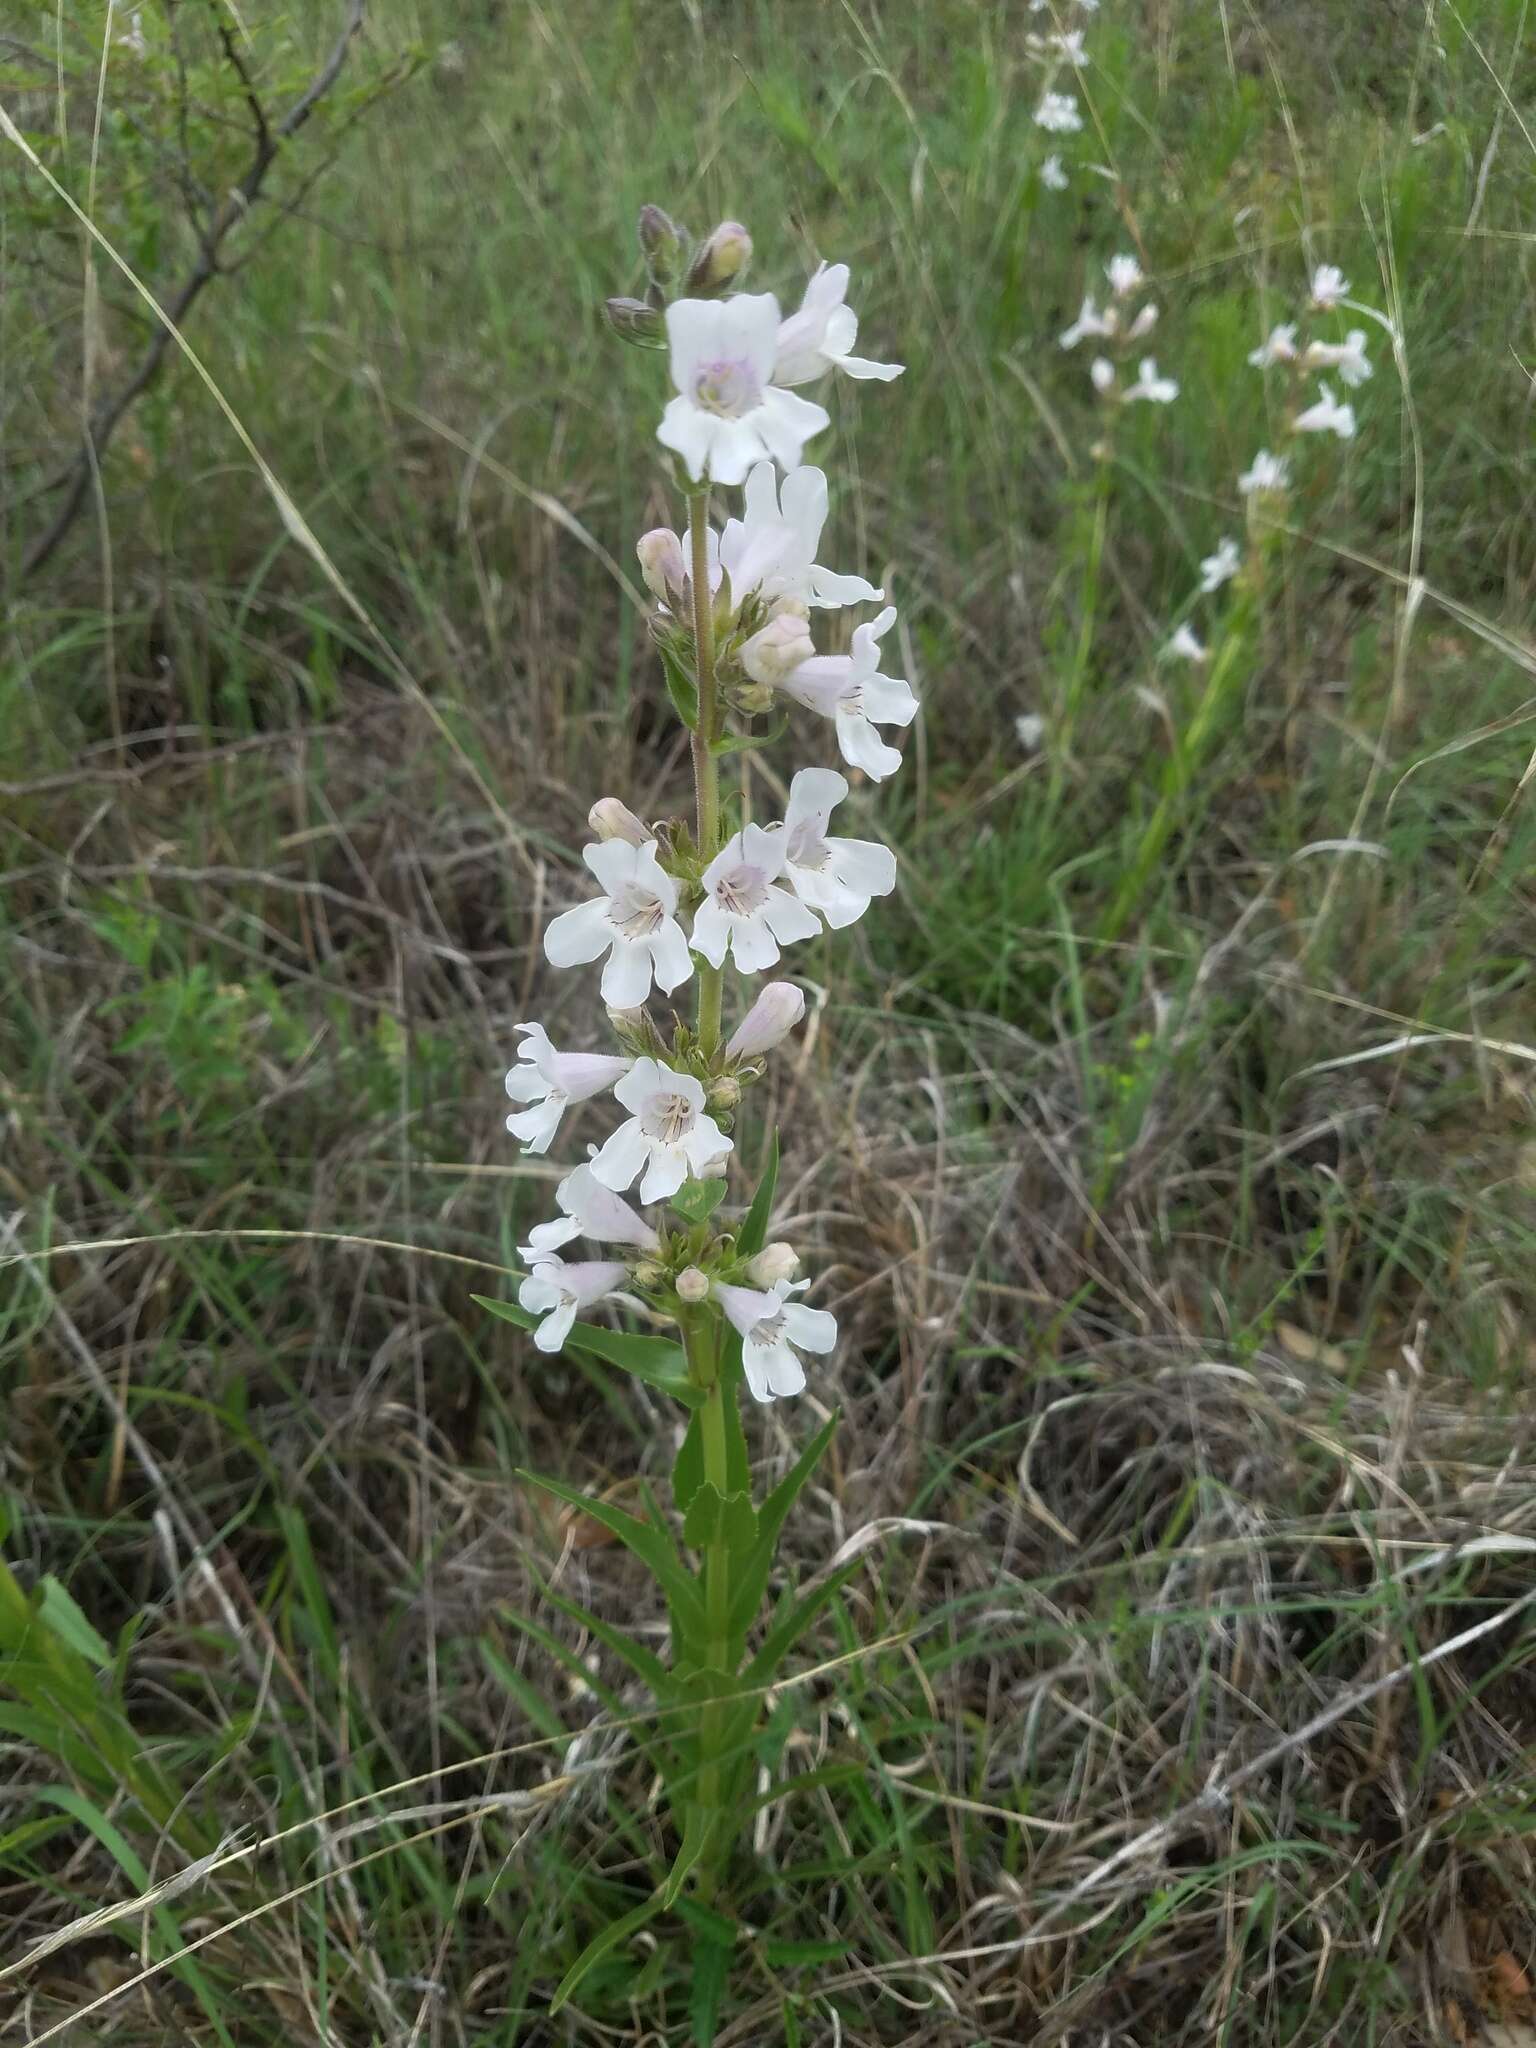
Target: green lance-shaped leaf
{"x": 752, "y": 1576}
{"x": 599, "y": 1946}
{"x": 697, "y": 1200}
{"x": 652, "y": 1546}
{"x": 747, "y": 742}
{"x": 698, "y": 1826}
{"x": 656, "y": 1360}
{"x": 796, "y": 1614}
{"x": 681, "y": 689}
{"x": 753, "y": 1233}
{"x": 711, "y": 1518}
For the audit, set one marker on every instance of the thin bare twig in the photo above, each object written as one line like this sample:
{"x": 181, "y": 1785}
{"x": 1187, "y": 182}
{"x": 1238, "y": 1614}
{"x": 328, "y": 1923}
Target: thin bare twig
{"x": 268, "y": 144}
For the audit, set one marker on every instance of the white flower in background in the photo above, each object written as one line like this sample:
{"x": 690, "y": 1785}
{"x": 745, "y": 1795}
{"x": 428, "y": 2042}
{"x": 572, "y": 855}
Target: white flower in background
{"x": 1101, "y": 372}
{"x": 1068, "y": 43}
{"x": 667, "y": 1136}
{"x": 772, "y": 1327}
{"x": 1221, "y": 566}
{"x": 1184, "y": 645}
{"x": 1148, "y": 385}
{"x": 1347, "y": 357}
{"x": 820, "y": 336}
{"x": 132, "y": 37}
{"x": 771, "y": 549}
{"x": 1053, "y": 175}
{"x": 1124, "y": 274}
{"x": 1029, "y": 728}
{"x": 835, "y": 876}
{"x": 1143, "y": 324}
{"x": 588, "y": 1209}
{"x": 1327, "y": 416}
{"x": 1329, "y": 285}
{"x": 743, "y": 910}
{"x": 1266, "y": 473}
{"x": 778, "y": 1009}
{"x": 1278, "y": 346}
{"x": 729, "y": 413}
{"x": 634, "y": 923}
{"x": 552, "y": 1081}
{"x": 1058, "y": 113}
{"x": 1091, "y": 323}
{"x": 847, "y": 688}
{"x": 556, "y": 1291}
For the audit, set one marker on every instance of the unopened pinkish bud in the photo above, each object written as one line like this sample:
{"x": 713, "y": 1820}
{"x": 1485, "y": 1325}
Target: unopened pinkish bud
{"x": 692, "y": 1285}
{"x": 611, "y": 819}
{"x": 633, "y": 320}
{"x": 772, "y": 655}
{"x": 722, "y": 258}
{"x": 769, "y": 1022}
{"x": 662, "y": 564}
{"x": 775, "y": 1262}
{"x": 663, "y": 244}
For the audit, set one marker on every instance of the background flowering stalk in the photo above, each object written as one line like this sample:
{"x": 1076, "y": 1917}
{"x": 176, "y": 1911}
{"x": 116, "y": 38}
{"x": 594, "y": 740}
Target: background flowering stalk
{"x": 732, "y": 624}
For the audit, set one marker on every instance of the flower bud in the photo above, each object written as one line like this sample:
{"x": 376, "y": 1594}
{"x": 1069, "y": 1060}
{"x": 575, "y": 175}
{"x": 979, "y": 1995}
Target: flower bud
{"x": 712, "y": 1169}
{"x": 769, "y": 1021}
{"x": 662, "y": 564}
{"x": 787, "y": 607}
{"x": 662, "y": 243}
{"x": 627, "y": 1022}
{"x": 1144, "y": 322}
{"x": 647, "y": 1274}
{"x": 1102, "y": 371}
{"x": 692, "y": 1285}
{"x": 724, "y": 1093}
{"x": 775, "y": 1262}
{"x": 773, "y": 655}
{"x": 752, "y": 698}
{"x": 633, "y": 320}
{"x": 611, "y": 819}
{"x": 721, "y": 259}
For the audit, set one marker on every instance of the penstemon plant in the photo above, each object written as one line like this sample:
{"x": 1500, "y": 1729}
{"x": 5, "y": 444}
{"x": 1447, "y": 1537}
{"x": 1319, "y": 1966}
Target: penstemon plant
{"x": 676, "y": 905}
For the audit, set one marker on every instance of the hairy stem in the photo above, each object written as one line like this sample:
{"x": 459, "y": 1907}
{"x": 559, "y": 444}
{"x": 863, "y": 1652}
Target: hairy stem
{"x": 706, "y": 768}
{"x": 702, "y": 1342}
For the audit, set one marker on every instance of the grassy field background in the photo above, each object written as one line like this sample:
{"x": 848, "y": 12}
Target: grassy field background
{"x": 1166, "y": 1146}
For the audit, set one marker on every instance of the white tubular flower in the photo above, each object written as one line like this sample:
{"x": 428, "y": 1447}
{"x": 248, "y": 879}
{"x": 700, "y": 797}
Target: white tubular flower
{"x": 819, "y": 337}
{"x": 634, "y": 923}
{"x": 1143, "y": 324}
{"x": 1184, "y": 645}
{"x": 1068, "y": 43}
{"x": 729, "y": 413}
{"x": 850, "y": 690}
{"x": 1057, "y": 113}
{"x": 1091, "y": 324}
{"x": 1148, "y": 385}
{"x": 662, "y": 566}
{"x": 668, "y": 1136}
{"x": 1052, "y": 174}
{"x": 612, "y": 819}
{"x": 777, "y": 1011}
{"x": 775, "y": 1262}
{"x": 1266, "y": 473}
{"x": 552, "y": 1081}
{"x": 772, "y": 548}
{"x": 743, "y": 910}
{"x": 1347, "y": 357}
{"x": 771, "y": 1327}
{"x": 1102, "y": 373}
{"x": 1222, "y": 566}
{"x": 1124, "y": 274}
{"x": 1278, "y": 346}
{"x": 556, "y": 1291}
{"x": 835, "y": 876}
{"x": 1329, "y": 285}
{"x": 1327, "y": 416}
{"x": 589, "y": 1210}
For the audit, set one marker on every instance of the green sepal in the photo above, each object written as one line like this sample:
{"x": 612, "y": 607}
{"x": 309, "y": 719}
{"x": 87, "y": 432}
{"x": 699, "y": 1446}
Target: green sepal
{"x": 753, "y": 1576}
{"x": 656, "y": 1360}
{"x": 609, "y": 1938}
{"x": 748, "y": 742}
{"x": 645, "y": 1664}
{"x": 651, "y": 1545}
{"x": 682, "y": 689}
{"x": 697, "y": 1200}
{"x": 711, "y": 1518}
{"x": 754, "y": 1229}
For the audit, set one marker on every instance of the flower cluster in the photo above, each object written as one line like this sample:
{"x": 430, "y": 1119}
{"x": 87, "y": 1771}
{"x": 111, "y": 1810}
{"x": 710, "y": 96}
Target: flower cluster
{"x": 1124, "y": 321}
{"x": 732, "y": 617}
{"x": 1057, "y": 50}
{"x": 1299, "y": 351}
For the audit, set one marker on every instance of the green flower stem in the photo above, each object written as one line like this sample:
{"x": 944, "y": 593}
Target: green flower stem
{"x": 706, "y": 767}
{"x": 701, "y": 1340}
